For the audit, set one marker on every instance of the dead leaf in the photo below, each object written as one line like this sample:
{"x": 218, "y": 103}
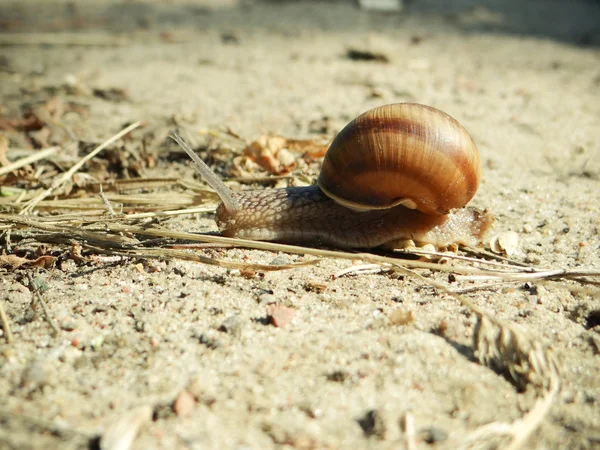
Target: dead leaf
{"x": 30, "y": 121}
{"x": 275, "y": 154}
{"x": 14, "y": 262}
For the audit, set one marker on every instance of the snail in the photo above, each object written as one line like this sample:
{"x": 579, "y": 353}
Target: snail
{"x": 397, "y": 172}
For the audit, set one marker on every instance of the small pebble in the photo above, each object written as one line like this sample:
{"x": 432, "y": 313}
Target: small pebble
{"x": 68, "y": 324}
{"x": 506, "y": 243}
{"x": 373, "y": 424}
{"x": 70, "y": 355}
{"x": 279, "y": 316}
{"x": 280, "y": 260}
{"x": 184, "y": 404}
{"x": 232, "y": 325}
{"x": 267, "y": 299}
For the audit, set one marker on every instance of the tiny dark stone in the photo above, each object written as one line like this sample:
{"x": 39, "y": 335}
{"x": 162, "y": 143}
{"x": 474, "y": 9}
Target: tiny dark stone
{"x": 365, "y": 55}
{"x": 232, "y": 325}
{"x": 339, "y": 376}
{"x": 432, "y": 435}
{"x": 373, "y": 424}
{"x": 230, "y": 38}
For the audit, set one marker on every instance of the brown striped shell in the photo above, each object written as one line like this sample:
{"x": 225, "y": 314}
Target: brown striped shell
{"x": 403, "y": 153}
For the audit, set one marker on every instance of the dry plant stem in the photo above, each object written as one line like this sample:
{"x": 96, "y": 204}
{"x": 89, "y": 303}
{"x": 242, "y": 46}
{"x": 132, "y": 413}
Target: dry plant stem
{"x": 115, "y": 233}
{"x": 39, "y": 155}
{"x": 30, "y": 205}
{"x": 162, "y": 253}
{"x": 529, "y": 276}
{"x": 37, "y": 295}
{"x": 409, "y": 429}
{"x": 176, "y": 212}
{"x": 111, "y": 211}
{"x": 5, "y": 323}
{"x": 505, "y": 263}
{"x": 271, "y": 246}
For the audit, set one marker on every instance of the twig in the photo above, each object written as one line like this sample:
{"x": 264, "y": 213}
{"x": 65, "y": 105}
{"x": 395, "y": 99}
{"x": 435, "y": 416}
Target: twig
{"x": 175, "y": 212}
{"x": 5, "y": 322}
{"x": 503, "y": 263}
{"x": 37, "y": 156}
{"x": 409, "y": 430}
{"x": 30, "y": 205}
{"x": 164, "y": 253}
{"x": 34, "y": 286}
{"x": 111, "y": 211}
{"x": 484, "y": 286}
{"x": 362, "y": 268}
{"x": 530, "y": 276}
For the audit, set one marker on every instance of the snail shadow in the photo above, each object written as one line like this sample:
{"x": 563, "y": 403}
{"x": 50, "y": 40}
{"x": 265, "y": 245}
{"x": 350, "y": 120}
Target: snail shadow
{"x": 570, "y": 21}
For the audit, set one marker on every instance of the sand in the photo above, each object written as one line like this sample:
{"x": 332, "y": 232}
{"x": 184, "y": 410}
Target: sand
{"x": 182, "y": 354}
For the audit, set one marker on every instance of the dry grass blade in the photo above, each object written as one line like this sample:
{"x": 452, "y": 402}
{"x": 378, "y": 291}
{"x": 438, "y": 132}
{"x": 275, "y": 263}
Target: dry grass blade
{"x": 504, "y": 263}
{"x": 30, "y": 205}
{"x": 115, "y": 232}
{"x": 41, "y": 154}
{"x": 530, "y": 275}
{"x": 409, "y": 430}
{"x": 124, "y": 245}
{"x": 518, "y": 274}
{"x": 153, "y": 201}
{"x": 362, "y": 269}
{"x": 165, "y": 253}
{"x": 35, "y": 286}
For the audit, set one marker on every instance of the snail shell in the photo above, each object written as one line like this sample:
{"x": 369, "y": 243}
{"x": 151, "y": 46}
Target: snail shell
{"x": 402, "y": 154}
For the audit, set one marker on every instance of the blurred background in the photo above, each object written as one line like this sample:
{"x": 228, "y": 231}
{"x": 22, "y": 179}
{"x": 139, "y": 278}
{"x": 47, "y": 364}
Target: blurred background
{"x": 573, "y": 21}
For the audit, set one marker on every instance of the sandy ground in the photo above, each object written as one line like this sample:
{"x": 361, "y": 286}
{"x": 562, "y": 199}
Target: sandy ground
{"x": 137, "y": 335}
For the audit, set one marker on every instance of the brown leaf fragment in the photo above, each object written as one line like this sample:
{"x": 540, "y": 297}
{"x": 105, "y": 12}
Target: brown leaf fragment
{"x": 315, "y": 286}
{"x": 279, "y": 316}
{"x": 275, "y": 154}
{"x": 13, "y": 262}
{"x": 309, "y": 148}
{"x": 30, "y": 121}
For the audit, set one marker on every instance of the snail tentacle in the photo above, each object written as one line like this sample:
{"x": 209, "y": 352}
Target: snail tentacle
{"x": 211, "y": 178}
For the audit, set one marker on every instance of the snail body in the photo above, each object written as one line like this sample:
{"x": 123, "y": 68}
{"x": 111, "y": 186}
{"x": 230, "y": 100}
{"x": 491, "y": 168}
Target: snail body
{"x": 395, "y": 173}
